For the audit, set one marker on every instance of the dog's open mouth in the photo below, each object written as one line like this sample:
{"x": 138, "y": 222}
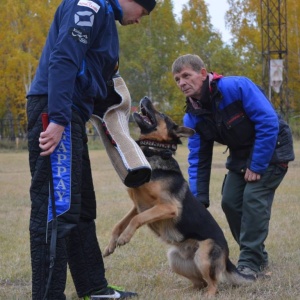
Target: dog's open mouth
{"x": 146, "y": 117}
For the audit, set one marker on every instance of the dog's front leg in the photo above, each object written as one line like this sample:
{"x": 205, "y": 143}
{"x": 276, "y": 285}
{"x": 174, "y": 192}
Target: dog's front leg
{"x": 117, "y": 230}
{"x": 156, "y": 213}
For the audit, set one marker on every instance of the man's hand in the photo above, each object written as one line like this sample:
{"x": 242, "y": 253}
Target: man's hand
{"x": 50, "y": 138}
{"x": 251, "y": 176}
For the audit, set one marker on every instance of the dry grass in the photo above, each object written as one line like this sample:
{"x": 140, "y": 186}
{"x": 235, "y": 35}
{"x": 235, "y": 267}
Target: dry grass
{"x": 142, "y": 265}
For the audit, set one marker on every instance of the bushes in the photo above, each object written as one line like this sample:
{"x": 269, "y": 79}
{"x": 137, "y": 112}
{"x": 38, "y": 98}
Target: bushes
{"x": 16, "y": 144}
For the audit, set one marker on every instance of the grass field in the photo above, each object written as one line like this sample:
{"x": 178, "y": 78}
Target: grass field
{"x": 142, "y": 265}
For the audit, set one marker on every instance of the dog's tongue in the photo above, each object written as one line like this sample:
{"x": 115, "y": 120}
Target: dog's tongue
{"x": 146, "y": 119}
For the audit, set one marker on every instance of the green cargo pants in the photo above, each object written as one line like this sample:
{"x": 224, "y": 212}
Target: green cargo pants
{"x": 247, "y": 207}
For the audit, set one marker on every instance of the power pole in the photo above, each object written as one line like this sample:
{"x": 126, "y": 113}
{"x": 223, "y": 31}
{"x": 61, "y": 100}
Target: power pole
{"x": 275, "y": 52}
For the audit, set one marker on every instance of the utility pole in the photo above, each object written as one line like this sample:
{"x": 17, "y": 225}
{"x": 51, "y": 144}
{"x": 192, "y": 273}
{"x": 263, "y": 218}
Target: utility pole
{"x": 275, "y": 53}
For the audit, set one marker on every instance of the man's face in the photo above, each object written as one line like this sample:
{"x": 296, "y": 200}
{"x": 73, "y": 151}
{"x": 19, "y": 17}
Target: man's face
{"x": 190, "y": 82}
{"x": 132, "y": 12}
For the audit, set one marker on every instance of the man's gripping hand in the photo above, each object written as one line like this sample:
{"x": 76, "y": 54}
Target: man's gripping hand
{"x": 50, "y": 138}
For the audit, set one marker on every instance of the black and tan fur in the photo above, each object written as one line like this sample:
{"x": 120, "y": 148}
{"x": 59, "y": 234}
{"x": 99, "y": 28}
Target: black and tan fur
{"x": 198, "y": 249}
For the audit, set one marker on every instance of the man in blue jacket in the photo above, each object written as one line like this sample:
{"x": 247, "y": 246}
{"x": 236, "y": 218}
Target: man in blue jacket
{"x": 235, "y": 112}
{"x": 73, "y": 77}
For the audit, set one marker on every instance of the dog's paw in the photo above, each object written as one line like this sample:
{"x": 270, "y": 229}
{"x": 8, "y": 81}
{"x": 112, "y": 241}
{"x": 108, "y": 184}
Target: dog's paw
{"x": 123, "y": 239}
{"x": 107, "y": 252}
{"x": 110, "y": 248}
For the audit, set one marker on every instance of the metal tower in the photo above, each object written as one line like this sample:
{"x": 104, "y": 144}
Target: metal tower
{"x": 274, "y": 47}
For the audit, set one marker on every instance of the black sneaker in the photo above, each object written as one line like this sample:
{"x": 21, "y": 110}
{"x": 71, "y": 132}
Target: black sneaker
{"x": 110, "y": 292}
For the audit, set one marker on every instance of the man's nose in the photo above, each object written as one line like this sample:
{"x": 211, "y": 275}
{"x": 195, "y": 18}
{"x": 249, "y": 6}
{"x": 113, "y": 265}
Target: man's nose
{"x": 181, "y": 82}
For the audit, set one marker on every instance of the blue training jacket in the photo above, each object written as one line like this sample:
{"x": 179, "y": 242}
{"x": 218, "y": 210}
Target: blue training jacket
{"x": 79, "y": 58}
{"x": 241, "y": 117}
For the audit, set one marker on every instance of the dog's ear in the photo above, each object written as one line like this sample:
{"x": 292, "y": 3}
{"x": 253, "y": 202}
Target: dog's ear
{"x": 183, "y": 131}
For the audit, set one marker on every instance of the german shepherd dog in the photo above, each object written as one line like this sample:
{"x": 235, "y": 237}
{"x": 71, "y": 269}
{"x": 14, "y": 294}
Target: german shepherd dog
{"x": 199, "y": 250}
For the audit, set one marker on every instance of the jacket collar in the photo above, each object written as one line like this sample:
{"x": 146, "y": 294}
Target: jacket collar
{"x": 117, "y": 9}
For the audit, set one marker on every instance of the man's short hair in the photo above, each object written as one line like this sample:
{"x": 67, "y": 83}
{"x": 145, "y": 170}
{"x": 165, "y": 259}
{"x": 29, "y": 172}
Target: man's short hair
{"x": 188, "y": 60}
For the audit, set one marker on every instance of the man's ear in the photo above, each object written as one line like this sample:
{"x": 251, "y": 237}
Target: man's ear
{"x": 203, "y": 73}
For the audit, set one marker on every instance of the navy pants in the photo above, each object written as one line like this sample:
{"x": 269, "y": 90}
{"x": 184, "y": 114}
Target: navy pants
{"x": 77, "y": 243}
{"x": 247, "y": 207}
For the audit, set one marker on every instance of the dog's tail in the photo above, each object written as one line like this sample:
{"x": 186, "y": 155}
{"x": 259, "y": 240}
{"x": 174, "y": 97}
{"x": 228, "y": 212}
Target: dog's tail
{"x": 234, "y": 277}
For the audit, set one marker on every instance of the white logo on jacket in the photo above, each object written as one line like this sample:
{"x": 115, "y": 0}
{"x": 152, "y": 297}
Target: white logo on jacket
{"x": 90, "y": 4}
{"x": 84, "y": 18}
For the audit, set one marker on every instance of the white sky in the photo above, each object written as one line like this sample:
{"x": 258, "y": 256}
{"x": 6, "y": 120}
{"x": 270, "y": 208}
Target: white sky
{"x": 217, "y": 10}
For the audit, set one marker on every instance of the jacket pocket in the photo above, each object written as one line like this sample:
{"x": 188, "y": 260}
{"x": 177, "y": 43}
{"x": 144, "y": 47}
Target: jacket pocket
{"x": 236, "y": 128}
{"x": 273, "y": 176}
{"x": 284, "y": 145}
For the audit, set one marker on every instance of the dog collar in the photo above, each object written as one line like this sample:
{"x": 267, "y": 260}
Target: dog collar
{"x": 156, "y": 144}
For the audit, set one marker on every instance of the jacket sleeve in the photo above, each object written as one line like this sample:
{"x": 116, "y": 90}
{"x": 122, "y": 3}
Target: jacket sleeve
{"x": 70, "y": 36}
{"x": 199, "y": 159}
{"x": 261, "y": 112}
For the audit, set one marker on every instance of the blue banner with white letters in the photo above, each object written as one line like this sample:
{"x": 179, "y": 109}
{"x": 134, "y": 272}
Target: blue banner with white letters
{"x": 61, "y": 163}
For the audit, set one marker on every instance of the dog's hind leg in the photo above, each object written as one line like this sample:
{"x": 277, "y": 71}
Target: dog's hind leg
{"x": 182, "y": 263}
{"x": 117, "y": 231}
{"x": 210, "y": 261}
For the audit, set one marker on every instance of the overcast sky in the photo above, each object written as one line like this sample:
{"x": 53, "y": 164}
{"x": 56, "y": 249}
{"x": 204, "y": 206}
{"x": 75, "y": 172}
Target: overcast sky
{"x": 217, "y": 9}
